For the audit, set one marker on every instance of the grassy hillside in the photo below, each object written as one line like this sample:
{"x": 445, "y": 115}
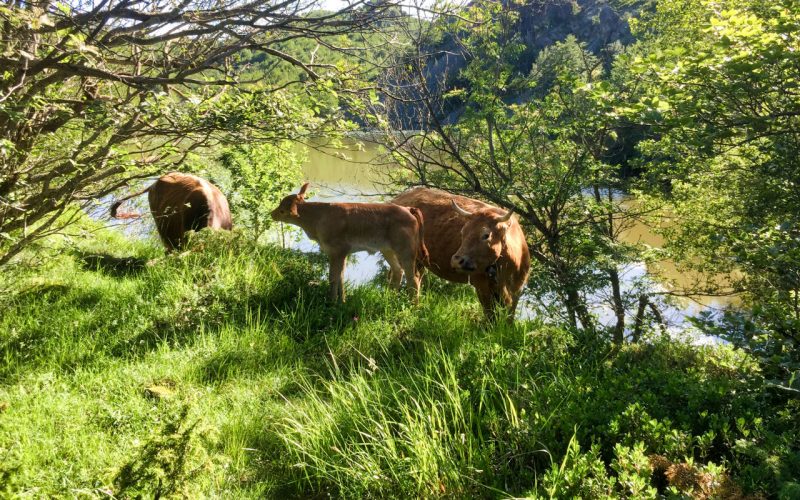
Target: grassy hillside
{"x": 223, "y": 372}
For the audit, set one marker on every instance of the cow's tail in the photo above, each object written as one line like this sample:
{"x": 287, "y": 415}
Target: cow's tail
{"x": 423, "y": 257}
{"x": 127, "y": 215}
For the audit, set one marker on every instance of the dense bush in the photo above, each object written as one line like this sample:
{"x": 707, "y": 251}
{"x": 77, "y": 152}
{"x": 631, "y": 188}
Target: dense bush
{"x": 517, "y": 408}
{"x": 260, "y": 175}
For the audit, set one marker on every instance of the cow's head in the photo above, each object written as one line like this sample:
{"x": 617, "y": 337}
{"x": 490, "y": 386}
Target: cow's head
{"x": 287, "y": 210}
{"x": 482, "y": 240}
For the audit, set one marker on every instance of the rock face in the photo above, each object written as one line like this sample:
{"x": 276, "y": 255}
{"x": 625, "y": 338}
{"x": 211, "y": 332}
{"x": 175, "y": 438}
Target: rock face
{"x": 597, "y": 23}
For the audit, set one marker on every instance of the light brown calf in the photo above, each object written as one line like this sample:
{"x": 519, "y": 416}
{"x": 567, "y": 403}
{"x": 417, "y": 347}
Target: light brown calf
{"x": 344, "y": 228}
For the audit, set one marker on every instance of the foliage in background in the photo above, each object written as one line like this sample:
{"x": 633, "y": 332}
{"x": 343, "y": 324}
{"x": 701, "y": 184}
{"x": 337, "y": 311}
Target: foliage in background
{"x": 724, "y": 78}
{"x": 260, "y": 175}
{"x": 538, "y": 156}
{"x": 359, "y": 56}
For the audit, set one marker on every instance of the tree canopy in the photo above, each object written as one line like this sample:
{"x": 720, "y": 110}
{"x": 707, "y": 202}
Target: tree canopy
{"x": 725, "y": 160}
{"x": 96, "y": 94}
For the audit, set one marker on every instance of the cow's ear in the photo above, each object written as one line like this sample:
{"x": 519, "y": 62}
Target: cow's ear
{"x": 293, "y": 210}
{"x": 502, "y": 228}
{"x": 302, "y": 193}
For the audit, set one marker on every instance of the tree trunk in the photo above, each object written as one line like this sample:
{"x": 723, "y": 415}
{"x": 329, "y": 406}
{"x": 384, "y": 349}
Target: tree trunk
{"x": 639, "y": 321}
{"x": 619, "y": 306}
{"x": 573, "y": 320}
{"x": 577, "y": 308}
{"x": 659, "y": 317}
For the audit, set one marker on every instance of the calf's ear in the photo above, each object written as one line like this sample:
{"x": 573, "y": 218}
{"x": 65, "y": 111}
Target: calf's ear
{"x": 293, "y": 210}
{"x": 302, "y": 192}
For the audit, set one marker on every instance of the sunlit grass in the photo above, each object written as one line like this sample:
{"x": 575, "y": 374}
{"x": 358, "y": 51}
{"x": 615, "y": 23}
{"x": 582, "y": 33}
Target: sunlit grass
{"x": 224, "y": 371}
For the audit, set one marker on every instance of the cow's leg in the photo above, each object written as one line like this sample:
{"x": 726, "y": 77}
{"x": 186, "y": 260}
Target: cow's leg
{"x": 508, "y": 300}
{"x": 490, "y": 297}
{"x": 513, "y": 308}
{"x": 336, "y": 276}
{"x": 341, "y": 279}
{"x": 395, "y": 269}
{"x": 170, "y": 228}
{"x": 412, "y": 277}
{"x": 485, "y": 298}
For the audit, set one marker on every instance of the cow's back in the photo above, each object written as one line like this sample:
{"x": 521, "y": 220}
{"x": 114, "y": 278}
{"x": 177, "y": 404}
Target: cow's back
{"x": 173, "y": 191}
{"x": 219, "y": 216}
{"x": 442, "y": 226}
{"x": 182, "y": 202}
{"x": 357, "y": 227}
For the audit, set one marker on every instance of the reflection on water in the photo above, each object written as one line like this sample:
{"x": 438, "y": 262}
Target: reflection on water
{"x": 674, "y": 278}
{"x": 354, "y": 172}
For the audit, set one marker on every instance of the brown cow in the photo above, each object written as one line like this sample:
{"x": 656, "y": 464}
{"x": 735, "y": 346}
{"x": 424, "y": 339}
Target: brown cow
{"x": 180, "y": 203}
{"x": 472, "y": 242}
{"x": 344, "y": 228}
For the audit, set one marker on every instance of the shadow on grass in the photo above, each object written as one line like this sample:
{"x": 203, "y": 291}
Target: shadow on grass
{"x": 372, "y": 326}
{"x": 229, "y": 364}
{"x": 160, "y": 467}
{"x": 42, "y": 290}
{"x": 29, "y": 342}
{"x": 47, "y": 316}
{"x": 111, "y": 265}
{"x": 210, "y": 312}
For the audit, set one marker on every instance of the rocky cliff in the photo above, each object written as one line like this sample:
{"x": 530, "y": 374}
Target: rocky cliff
{"x": 541, "y": 23}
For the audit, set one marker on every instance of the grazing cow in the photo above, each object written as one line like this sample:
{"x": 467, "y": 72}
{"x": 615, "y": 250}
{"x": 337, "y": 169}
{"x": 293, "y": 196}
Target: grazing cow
{"x": 180, "y": 203}
{"x": 472, "y": 242}
{"x": 344, "y": 228}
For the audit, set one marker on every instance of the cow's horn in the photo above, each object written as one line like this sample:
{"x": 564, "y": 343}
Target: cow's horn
{"x": 459, "y": 209}
{"x": 506, "y": 216}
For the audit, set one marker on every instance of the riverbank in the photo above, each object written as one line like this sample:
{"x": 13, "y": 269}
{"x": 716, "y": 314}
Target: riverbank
{"x": 223, "y": 371}
{"x": 347, "y": 169}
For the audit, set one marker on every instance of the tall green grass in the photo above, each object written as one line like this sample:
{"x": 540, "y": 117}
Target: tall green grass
{"x": 224, "y": 371}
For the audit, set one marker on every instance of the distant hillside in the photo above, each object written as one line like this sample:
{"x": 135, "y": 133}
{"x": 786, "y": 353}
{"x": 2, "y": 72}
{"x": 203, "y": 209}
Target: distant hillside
{"x": 541, "y": 23}
{"x": 597, "y": 23}
{"x": 600, "y": 24}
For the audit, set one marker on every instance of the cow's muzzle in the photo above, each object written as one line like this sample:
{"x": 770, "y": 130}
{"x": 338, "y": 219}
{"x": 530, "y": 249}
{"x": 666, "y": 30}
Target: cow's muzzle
{"x": 463, "y": 264}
